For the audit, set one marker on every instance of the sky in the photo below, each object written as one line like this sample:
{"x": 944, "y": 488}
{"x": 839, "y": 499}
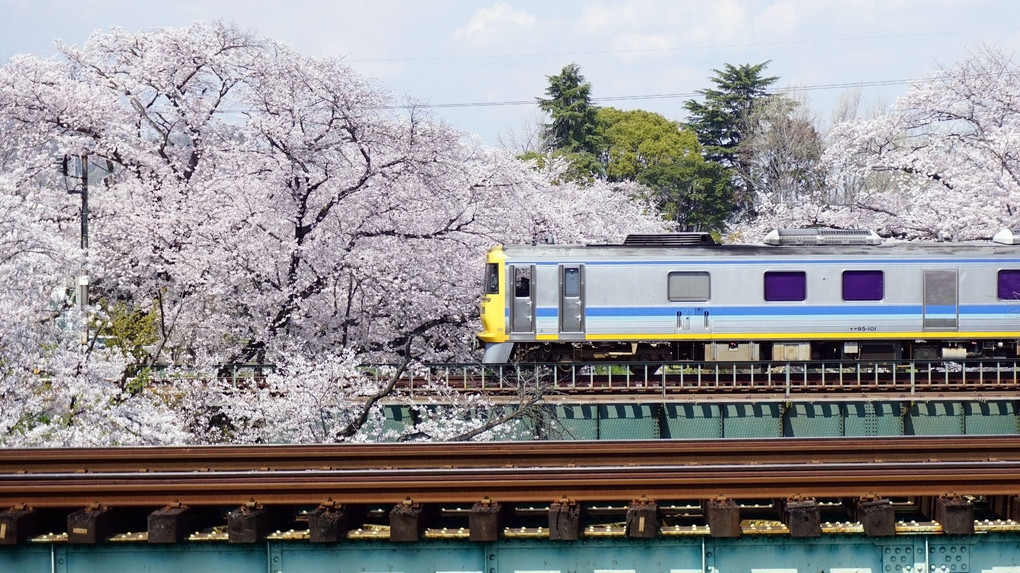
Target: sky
{"x": 481, "y": 64}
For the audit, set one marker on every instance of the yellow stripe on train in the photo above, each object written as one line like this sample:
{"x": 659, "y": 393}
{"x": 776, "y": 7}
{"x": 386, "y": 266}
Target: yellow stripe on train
{"x": 796, "y": 336}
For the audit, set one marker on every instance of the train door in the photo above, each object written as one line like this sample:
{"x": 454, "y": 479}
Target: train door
{"x": 572, "y": 301}
{"x": 941, "y": 306}
{"x": 522, "y": 299}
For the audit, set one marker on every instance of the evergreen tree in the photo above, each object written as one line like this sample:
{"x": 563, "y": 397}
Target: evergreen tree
{"x": 720, "y": 121}
{"x": 574, "y": 126}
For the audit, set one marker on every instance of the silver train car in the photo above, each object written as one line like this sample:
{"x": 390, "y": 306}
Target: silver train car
{"x": 806, "y": 294}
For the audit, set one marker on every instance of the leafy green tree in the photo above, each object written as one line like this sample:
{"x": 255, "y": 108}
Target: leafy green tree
{"x": 638, "y": 139}
{"x": 720, "y": 121}
{"x": 574, "y": 126}
{"x": 648, "y": 148}
{"x": 698, "y": 196}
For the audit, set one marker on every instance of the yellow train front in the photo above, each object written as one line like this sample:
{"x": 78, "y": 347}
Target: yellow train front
{"x": 804, "y": 295}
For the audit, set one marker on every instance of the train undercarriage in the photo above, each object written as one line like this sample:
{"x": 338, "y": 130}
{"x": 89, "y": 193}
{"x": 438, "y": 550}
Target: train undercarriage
{"x": 779, "y": 351}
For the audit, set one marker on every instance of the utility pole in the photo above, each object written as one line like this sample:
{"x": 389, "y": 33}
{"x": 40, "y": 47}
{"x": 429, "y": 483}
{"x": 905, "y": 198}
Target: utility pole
{"x": 83, "y": 278}
{"x": 83, "y": 175}
{"x": 85, "y": 202}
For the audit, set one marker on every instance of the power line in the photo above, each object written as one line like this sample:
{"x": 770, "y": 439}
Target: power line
{"x": 681, "y": 95}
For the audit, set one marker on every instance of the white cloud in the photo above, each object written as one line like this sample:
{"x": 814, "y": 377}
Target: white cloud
{"x": 640, "y": 45}
{"x": 691, "y": 23}
{"x": 786, "y": 18}
{"x": 720, "y": 22}
{"x": 600, "y": 18}
{"x": 457, "y": 51}
{"x": 494, "y": 20}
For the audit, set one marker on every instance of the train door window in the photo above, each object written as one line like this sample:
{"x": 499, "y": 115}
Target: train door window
{"x": 571, "y": 282}
{"x": 863, "y": 285}
{"x": 522, "y": 282}
{"x": 783, "y": 286}
{"x": 1009, "y": 284}
{"x": 491, "y": 278}
{"x": 689, "y": 286}
{"x": 941, "y": 308}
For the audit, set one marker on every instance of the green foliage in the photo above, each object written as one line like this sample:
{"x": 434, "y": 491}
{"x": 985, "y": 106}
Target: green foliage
{"x": 722, "y": 121}
{"x": 698, "y": 196}
{"x": 581, "y": 167}
{"x": 719, "y": 120}
{"x": 687, "y": 170}
{"x": 648, "y": 148}
{"x": 30, "y": 420}
{"x": 574, "y": 127}
{"x": 584, "y": 167}
{"x": 636, "y": 140}
{"x": 130, "y": 330}
{"x": 540, "y": 159}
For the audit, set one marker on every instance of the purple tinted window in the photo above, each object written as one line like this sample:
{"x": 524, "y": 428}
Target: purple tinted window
{"x": 785, "y": 285}
{"x": 1009, "y": 285}
{"x": 863, "y": 285}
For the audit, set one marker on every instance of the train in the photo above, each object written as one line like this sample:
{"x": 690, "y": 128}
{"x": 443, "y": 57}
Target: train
{"x": 800, "y": 295}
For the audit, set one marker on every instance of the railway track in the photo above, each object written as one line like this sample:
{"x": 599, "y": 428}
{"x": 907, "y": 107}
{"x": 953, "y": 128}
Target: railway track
{"x": 637, "y": 453}
{"x": 520, "y": 472}
{"x": 518, "y": 485}
{"x": 928, "y": 472}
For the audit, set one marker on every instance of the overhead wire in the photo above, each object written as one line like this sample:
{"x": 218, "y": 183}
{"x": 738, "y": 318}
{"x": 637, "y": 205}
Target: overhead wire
{"x": 639, "y": 97}
{"x": 679, "y": 95}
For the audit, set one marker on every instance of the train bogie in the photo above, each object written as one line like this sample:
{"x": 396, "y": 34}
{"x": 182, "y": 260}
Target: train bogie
{"x": 709, "y": 302}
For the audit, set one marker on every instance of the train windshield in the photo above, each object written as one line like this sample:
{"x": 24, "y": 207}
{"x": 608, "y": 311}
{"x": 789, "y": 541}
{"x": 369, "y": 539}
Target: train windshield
{"x": 491, "y": 278}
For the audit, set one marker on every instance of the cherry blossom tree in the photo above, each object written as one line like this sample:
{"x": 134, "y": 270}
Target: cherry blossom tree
{"x": 939, "y": 165}
{"x": 54, "y": 389}
{"x": 265, "y": 207}
{"x": 781, "y": 149}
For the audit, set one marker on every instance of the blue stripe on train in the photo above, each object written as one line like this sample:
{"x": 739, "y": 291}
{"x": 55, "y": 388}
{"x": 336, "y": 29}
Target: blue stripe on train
{"x": 705, "y": 261}
{"x": 789, "y": 311}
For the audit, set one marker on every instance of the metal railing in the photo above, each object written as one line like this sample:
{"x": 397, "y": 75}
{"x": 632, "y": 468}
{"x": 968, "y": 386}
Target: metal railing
{"x": 909, "y": 377}
{"x": 903, "y": 376}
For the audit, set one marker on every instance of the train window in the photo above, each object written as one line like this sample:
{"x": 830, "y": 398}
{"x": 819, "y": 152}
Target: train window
{"x": 571, "y": 282}
{"x": 1009, "y": 284}
{"x": 863, "y": 285}
{"x": 689, "y": 286}
{"x": 785, "y": 286}
{"x": 491, "y": 278}
{"x": 522, "y": 282}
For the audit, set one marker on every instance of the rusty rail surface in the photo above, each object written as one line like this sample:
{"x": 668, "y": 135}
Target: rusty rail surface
{"x": 514, "y": 484}
{"x": 512, "y": 472}
{"x": 509, "y": 454}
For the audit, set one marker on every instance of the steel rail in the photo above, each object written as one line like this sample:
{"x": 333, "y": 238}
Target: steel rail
{"x": 544, "y": 484}
{"x": 504, "y": 454}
